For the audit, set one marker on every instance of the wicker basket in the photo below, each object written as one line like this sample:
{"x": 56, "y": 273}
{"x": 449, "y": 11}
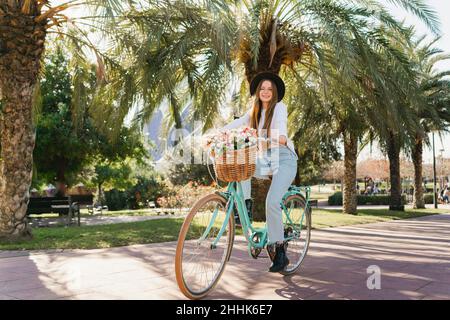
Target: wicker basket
{"x": 236, "y": 165}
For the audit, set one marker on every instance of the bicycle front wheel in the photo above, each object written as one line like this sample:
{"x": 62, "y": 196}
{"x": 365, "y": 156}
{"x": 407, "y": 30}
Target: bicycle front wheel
{"x": 204, "y": 246}
{"x": 297, "y": 229}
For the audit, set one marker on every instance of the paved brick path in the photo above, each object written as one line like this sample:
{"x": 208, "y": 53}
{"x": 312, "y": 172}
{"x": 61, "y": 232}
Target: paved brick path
{"x": 414, "y": 257}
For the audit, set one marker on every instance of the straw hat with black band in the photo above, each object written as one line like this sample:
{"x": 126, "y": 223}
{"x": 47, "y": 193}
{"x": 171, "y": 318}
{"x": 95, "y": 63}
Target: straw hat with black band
{"x": 268, "y": 76}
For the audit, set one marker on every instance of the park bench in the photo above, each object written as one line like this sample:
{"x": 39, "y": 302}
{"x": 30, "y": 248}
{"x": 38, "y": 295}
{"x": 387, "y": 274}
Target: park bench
{"x": 84, "y": 201}
{"x": 87, "y": 201}
{"x": 314, "y": 202}
{"x": 57, "y": 205}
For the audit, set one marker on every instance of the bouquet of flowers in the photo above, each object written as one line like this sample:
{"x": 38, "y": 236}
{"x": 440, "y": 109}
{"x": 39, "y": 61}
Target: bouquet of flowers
{"x": 234, "y": 153}
{"x": 234, "y": 139}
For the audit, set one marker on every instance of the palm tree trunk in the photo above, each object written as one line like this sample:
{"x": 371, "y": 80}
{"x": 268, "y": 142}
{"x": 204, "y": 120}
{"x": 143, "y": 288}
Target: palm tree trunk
{"x": 393, "y": 148}
{"x": 21, "y": 46}
{"x": 17, "y": 139}
{"x": 350, "y": 157}
{"x": 418, "y": 201}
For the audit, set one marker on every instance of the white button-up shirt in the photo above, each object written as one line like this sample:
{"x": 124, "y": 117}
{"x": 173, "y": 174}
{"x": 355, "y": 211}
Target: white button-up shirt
{"x": 278, "y": 126}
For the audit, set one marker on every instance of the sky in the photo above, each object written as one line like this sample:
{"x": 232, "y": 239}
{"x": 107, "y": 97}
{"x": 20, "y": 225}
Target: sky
{"x": 442, "y": 7}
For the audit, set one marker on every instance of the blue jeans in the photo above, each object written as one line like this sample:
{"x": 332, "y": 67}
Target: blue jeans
{"x": 281, "y": 164}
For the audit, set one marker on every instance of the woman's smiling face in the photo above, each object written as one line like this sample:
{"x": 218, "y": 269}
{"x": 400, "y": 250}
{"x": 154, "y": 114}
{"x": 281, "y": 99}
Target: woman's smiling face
{"x": 266, "y": 92}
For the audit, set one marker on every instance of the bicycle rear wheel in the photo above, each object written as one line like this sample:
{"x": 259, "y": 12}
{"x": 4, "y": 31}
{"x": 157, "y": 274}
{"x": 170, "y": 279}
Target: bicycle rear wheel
{"x": 202, "y": 252}
{"x": 298, "y": 229}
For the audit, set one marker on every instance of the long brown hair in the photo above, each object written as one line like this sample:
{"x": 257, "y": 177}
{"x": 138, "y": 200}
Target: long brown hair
{"x": 257, "y": 107}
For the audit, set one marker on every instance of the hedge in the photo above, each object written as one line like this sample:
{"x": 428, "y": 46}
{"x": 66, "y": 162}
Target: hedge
{"x": 117, "y": 200}
{"x": 336, "y": 199}
{"x": 428, "y": 197}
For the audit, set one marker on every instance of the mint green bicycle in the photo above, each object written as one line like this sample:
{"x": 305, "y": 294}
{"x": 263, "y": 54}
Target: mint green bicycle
{"x": 206, "y": 238}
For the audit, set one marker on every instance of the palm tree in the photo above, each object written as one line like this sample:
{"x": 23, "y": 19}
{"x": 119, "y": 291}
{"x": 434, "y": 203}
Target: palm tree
{"x": 366, "y": 106}
{"x": 421, "y": 106}
{"x": 434, "y": 111}
{"x": 192, "y": 52}
{"x": 401, "y": 121}
{"x": 25, "y": 26}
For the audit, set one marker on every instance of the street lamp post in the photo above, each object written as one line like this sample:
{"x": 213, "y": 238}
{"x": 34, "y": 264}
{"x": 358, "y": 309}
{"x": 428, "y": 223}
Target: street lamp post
{"x": 434, "y": 177}
{"x": 441, "y": 175}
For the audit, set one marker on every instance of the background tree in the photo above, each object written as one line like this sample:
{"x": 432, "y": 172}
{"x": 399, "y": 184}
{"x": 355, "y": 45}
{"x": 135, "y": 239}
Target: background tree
{"x": 112, "y": 175}
{"x": 314, "y": 159}
{"x": 66, "y": 139}
{"x": 24, "y": 27}
{"x": 128, "y": 184}
{"x": 350, "y": 106}
{"x": 395, "y": 97}
{"x": 334, "y": 172}
{"x": 375, "y": 168}
{"x": 418, "y": 110}
{"x": 181, "y": 174}
{"x": 434, "y": 110}
{"x": 111, "y": 161}
{"x": 64, "y": 144}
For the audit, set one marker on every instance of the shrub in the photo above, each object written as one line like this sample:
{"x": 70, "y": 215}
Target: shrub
{"x": 336, "y": 199}
{"x": 184, "y": 196}
{"x": 428, "y": 198}
{"x": 146, "y": 189}
{"x": 117, "y": 200}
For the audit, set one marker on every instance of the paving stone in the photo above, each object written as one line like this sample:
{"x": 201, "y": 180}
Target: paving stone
{"x": 436, "y": 288}
{"x": 413, "y": 259}
{"x": 385, "y": 294}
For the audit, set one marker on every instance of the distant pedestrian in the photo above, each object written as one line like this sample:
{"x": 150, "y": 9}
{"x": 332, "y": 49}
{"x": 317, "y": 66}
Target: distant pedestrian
{"x": 375, "y": 189}
{"x": 446, "y": 197}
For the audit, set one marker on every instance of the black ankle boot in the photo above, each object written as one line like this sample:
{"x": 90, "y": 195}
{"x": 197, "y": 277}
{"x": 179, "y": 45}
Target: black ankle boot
{"x": 249, "y": 205}
{"x": 281, "y": 260}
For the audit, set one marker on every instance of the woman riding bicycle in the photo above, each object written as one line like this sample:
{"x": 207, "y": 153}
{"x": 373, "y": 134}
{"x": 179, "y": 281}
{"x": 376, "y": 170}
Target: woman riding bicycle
{"x": 279, "y": 160}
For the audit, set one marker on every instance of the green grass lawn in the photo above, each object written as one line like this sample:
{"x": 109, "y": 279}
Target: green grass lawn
{"x": 163, "y": 230}
{"x": 335, "y": 218}
{"x": 101, "y": 236}
{"x": 320, "y": 196}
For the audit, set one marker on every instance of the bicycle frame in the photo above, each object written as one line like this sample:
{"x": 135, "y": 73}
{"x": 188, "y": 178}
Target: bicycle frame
{"x": 292, "y": 191}
{"x": 235, "y": 196}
